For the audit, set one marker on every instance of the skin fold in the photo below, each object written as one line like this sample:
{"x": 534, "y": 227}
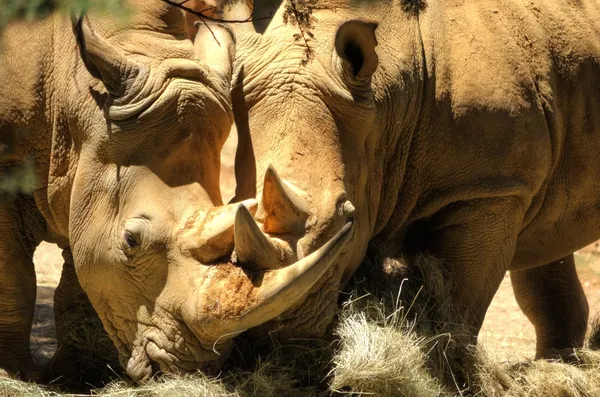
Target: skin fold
{"x": 468, "y": 130}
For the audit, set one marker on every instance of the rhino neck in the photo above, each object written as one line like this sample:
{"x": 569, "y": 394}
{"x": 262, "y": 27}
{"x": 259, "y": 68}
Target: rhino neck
{"x": 399, "y": 90}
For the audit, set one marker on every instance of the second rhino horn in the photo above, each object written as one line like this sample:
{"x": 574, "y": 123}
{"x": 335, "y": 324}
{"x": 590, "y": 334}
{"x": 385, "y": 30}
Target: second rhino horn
{"x": 284, "y": 207}
{"x": 253, "y": 248}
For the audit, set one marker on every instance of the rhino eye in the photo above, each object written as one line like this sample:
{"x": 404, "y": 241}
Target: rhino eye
{"x": 134, "y": 235}
{"x": 131, "y": 240}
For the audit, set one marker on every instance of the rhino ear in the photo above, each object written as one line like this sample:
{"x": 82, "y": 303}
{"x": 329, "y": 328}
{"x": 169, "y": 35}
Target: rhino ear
{"x": 104, "y": 61}
{"x": 215, "y": 45}
{"x": 355, "y": 44}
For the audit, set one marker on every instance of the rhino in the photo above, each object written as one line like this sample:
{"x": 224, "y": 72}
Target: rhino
{"x": 469, "y": 130}
{"x": 123, "y": 121}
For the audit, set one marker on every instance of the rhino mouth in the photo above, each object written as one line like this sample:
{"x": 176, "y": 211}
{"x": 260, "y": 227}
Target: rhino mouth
{"x": 151, "y": 355}
{"x": 161, "y": 343}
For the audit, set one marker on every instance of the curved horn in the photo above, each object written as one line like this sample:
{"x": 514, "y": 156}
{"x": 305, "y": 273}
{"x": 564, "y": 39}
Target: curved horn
{"x": 213, "y": 237}
{"x": 215, "y": 45}
{"x": 104, "y": 61}
{"x": 284, "y": 207}
{"x": 285, "y": 287}
{"x": 253, "y": 248}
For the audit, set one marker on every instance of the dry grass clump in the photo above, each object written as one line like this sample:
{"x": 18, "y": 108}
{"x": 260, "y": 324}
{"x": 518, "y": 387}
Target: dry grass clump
{"x": 198, "y": 385}
{"x": 16, "y": 388}
{"x": 397, "y": 335}
{"x": 386, "y": 359}
{"x": 85, "y": 357}
{"x": 580, "y": 378}
{"x": 402, "y": 337}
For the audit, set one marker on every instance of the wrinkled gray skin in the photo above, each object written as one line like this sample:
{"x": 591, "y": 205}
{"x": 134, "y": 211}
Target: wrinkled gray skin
{"x": 126, "y": 150}
{"x": 470, "y": 130}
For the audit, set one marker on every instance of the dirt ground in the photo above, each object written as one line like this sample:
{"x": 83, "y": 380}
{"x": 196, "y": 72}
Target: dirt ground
{"x": 506, "y": 331}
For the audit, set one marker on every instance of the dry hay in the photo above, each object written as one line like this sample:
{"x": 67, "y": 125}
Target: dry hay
{"x": 92, "y": 357}
{"x": 392, "y": 338}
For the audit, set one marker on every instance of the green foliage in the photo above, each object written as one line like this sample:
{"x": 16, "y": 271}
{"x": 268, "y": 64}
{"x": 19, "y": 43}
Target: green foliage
{"x": 29, "y": 10}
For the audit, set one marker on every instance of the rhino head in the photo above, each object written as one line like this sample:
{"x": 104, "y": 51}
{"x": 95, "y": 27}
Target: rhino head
{"x": 315, "y": 113}
{"x": 151, "y": 240}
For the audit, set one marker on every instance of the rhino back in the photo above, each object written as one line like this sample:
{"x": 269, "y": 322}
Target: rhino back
{"x": 513, "y": 108}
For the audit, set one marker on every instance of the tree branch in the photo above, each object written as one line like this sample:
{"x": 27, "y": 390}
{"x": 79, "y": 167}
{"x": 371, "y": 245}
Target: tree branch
{"x": 298, "y": 20}
{"x": 204, "y": 18}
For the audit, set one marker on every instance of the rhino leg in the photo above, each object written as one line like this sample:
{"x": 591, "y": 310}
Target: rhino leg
{"x": 21, "y": 230}
{"x": 83, "y": 348}
{"x": 476, "y": 240}
{"x": 552, "y": 298}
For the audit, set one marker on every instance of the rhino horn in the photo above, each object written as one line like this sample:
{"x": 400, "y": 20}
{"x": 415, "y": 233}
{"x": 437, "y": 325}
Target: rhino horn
{"x": 104, "y": 61}
{"x": 215, "y": 45}
{"x": 284, "y": 207}
{"x": 253, "y": 248}
{"x": 283, "y": 288}
{"x": 213, "y": 237}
